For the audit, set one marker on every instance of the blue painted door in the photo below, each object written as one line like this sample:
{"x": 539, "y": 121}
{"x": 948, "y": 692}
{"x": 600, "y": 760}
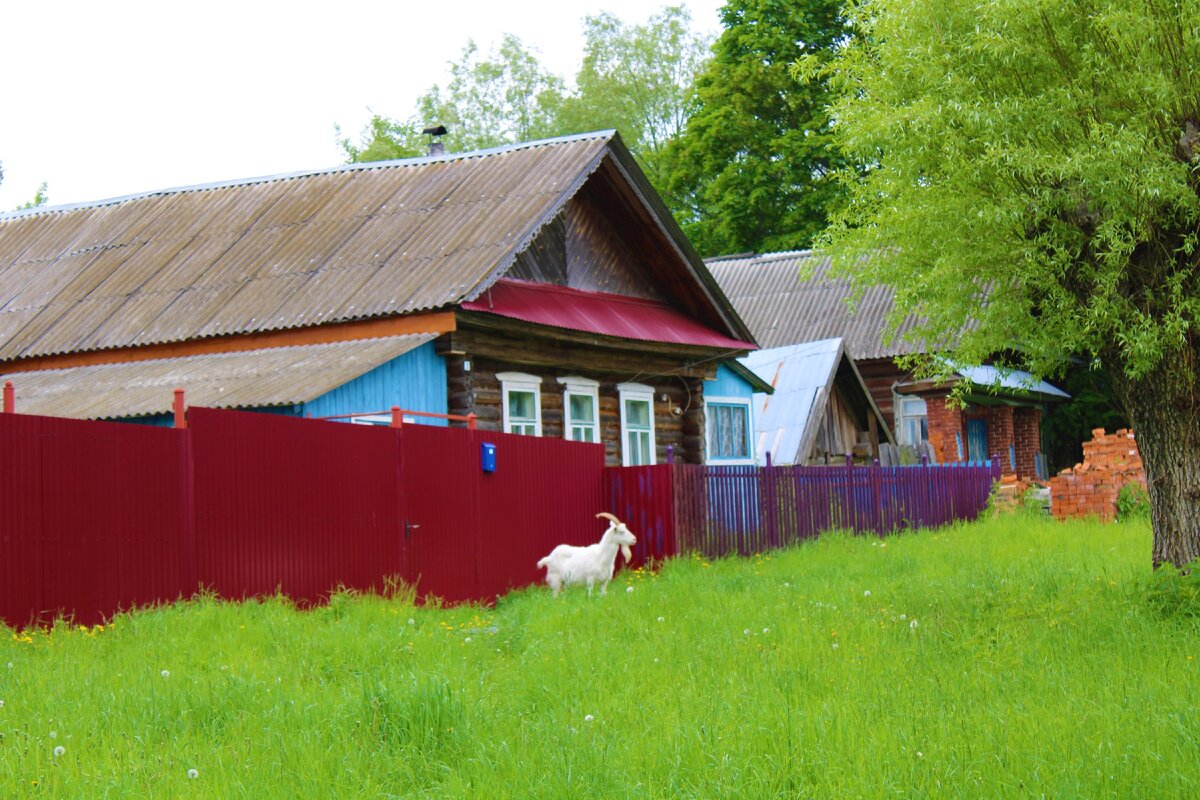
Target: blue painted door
{"x": 977, "y": 440}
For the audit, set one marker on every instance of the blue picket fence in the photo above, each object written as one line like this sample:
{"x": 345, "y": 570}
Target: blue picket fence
{"x": 743, "y": 510}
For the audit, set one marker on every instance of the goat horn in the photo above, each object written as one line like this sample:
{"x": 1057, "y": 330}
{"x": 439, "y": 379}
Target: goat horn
{"x": 608, "y": 516}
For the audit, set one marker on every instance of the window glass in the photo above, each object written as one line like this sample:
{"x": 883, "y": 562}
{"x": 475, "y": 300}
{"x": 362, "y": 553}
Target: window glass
{"x": 728, "y": 431}
{"x": 582, "y": 409}
{"x": 522, "y": 403}
{"x": 637, "y": 428}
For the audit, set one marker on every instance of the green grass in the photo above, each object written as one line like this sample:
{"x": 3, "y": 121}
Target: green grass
{"x": 1015, "y": 657}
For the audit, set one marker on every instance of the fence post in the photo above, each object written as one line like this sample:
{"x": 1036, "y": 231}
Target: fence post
{"x": 397, "y": 417}
{"x": 850, "y": 516}
{"x": 670, "y": 454}
{"x": 10, "y": 398}
{"x": 180, "y": 409}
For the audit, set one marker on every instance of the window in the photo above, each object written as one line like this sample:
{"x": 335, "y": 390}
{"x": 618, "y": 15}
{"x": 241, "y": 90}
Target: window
{"x": 912, "y": 420}
{"x": 522, "y": 399}
{"x": 637, "y": 424}
{"x": 728, "y": 429}
{"x": 581, "y": 409}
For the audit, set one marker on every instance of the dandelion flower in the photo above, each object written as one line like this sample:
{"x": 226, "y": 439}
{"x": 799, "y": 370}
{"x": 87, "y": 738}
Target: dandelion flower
{"x": 920, "y": 754}
{"x": 58, "y": 751}
{"x": 467, "y": 640}
{"x": 629, "y": 588}
{"x": 165, "y": 673}
{"x": 766, "y": 630}
{"x": 588, "y": 718}
{"x": 53, "y": 734}
{"x": 746, "y": 632}
{"x": 412, "y": 621}
{"x": 904, "y": 616}
{"x": 913, "y": 624}
{"x": 662, "y": 619}
{"x": 835, "y": 645}
{"x": 192, "y": 773}
{"x": 867, "y": 593}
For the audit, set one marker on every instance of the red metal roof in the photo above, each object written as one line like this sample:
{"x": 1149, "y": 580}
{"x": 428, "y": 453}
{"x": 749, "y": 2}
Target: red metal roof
{"x": 597, "y": 312}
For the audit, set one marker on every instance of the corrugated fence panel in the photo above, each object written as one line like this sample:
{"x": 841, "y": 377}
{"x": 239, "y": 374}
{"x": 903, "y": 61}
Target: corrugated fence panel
{"x": 93, "y": 516}
{"x": 293, "y": 505}
{"x": 643, "y": 497}
{"x": 544, "y": 492}
{"x": 440, "y": 511}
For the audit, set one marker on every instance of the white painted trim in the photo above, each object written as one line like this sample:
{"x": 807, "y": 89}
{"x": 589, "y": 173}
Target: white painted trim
{"x": 573, "y": 384}
{"x": 749, "y": 459}
{"x": 636, "y": 391}
{"x": 520, "y": 382}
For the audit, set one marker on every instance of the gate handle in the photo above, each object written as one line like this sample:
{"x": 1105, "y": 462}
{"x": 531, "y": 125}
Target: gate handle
{"x": 408, "y": 529}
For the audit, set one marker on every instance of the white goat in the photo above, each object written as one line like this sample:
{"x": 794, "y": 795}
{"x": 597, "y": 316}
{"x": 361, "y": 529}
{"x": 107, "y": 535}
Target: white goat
{"x": 568, "y": 565}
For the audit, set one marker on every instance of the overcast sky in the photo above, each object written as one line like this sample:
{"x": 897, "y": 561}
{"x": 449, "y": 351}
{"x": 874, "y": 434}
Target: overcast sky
{"x": 104, "y": 99}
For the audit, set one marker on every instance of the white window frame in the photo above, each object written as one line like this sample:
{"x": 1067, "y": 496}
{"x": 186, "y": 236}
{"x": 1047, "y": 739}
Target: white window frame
{"x": 584, "y": 387}
{"x": 745, "y": 403}
{"x": 520, "y": 382}
{"x": 902, "y": 419}
{"x": 635, "y": 392}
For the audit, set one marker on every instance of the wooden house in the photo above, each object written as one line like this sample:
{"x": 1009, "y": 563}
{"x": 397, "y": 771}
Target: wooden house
{"x": 542, "y": 288}
{"x": 789, "y": 298}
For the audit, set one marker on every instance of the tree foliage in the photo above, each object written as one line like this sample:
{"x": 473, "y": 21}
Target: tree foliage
{"x": 635, "y": 78}
{"x": 753, "y": 171}
{"x": 500, "y": 97}
{"x": 1035, "y": 188}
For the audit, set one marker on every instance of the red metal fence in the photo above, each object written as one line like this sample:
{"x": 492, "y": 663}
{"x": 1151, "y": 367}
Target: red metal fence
{"x": 97, "y": 517}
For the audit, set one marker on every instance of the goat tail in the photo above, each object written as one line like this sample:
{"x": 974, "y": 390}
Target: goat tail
{"x": 542, "y": 563}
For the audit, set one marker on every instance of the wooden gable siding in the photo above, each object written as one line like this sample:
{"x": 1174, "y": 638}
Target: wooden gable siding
{"x": 545, "y": 260}
{"x": 599, "y": 257}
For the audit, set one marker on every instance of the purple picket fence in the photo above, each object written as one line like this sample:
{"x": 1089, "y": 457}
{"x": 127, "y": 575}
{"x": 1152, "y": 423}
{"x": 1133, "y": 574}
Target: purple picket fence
{"x": 742, "y": 510}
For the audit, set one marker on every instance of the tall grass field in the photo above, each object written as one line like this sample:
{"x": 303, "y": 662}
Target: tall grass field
{"x": 1013, "y": 657}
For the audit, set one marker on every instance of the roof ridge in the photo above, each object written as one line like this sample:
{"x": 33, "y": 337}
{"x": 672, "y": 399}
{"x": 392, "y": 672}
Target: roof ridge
{"x": 415, "y": 161}
{"x": 774, "y": 256}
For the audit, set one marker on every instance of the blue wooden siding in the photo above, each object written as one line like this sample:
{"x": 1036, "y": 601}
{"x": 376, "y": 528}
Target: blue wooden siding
{"x": 728, "y": 384}
{"x": 415, "y": 381}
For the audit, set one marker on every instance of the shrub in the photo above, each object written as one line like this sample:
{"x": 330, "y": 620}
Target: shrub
{"x": 1133, "y": 503}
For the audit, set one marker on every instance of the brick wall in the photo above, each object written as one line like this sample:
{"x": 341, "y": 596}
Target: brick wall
{"x": 1090, "y": 488}
{"x": 1027, "y": 432}
{"x": 944, "y": 422}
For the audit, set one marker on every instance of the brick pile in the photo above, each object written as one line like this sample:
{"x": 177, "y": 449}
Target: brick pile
{"x": 1090, "y": 488}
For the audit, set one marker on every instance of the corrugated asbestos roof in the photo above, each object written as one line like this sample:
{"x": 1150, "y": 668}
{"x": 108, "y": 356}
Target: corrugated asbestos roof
{"x": 597, "y": 312}
{"x": 280, "y": 252}
{"x": 780, "y": 309}
{"x": 784, "y": 422}
{"x": 1010, "y": 382}
{"x": 225, "y": 380}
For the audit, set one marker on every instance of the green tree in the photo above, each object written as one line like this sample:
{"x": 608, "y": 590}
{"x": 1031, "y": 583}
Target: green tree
{"x": 501, "y": 97}
{"x": 637, "y": 79}
{"x": 40, "y": 198}
{"x": 1035, "y": 187}
{"x": 753, "y": 171}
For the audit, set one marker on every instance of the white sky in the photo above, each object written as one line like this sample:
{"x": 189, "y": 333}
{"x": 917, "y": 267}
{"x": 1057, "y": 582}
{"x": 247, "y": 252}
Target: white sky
{"x": 104, "y": 99}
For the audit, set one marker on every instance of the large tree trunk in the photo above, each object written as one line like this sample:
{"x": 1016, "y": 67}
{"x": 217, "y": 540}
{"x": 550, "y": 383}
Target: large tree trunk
{"x": 1164, "y": 406}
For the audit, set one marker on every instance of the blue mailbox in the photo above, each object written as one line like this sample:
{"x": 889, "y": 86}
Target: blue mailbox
{"x": 489, "y": 457}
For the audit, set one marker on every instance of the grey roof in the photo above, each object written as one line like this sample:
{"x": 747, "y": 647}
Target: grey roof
{"x": 280, "y": 252}
{"x": 781, "y": 309}
{"x": 253, "y": 378}
{"x": 803, "y": 376}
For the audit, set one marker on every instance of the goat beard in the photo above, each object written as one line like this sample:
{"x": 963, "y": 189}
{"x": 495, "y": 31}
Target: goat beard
{"x": 625, "y": 551}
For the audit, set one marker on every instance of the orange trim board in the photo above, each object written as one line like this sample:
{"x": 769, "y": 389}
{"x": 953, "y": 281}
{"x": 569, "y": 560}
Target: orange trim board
{"x": 439, "y": 322}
